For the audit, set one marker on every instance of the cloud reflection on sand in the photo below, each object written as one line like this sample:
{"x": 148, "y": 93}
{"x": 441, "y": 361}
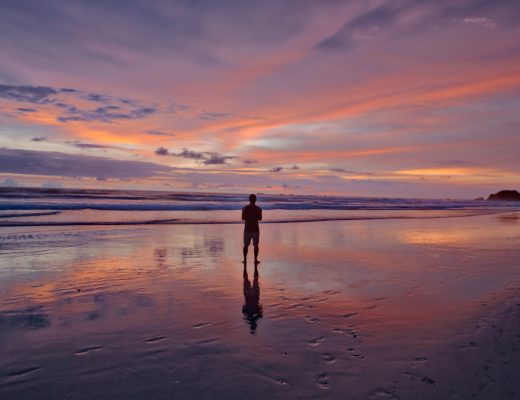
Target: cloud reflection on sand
{"x": 165, "y": 306}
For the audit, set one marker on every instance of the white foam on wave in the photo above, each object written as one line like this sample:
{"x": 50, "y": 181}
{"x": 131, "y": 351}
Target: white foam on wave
{"x": 30, "y": 207}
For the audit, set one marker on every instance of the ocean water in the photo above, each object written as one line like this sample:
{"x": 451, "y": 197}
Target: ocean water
{"x": 32, "y": 207}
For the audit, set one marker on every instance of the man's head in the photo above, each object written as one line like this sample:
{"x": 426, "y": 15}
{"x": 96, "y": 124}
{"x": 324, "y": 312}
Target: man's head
{"x": 252, "y": 198}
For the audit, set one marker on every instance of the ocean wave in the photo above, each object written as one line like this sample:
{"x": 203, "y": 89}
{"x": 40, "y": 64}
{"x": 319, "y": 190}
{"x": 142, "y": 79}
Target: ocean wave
{"x": 5, "y": 206}
{"x": 62, "y": 207}
{"x": 30, "y": 214}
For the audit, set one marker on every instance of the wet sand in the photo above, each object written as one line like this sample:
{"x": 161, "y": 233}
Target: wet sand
{"x": 378, "y": 309}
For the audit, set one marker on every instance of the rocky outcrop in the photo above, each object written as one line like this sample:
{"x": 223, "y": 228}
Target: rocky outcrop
{"x": 505, "y": 195}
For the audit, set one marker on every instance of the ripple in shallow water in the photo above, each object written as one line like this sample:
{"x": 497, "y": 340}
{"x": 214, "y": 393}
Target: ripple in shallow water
{"x": 316, "y": 342}
{"x": 201, "y": 325}
{"x": 328, "y": 358}
{"x": 23, "y": 371}
{"x": 87, "y": 350}
{"x": 322, "y": 381}
{"x": 156, "y": 339}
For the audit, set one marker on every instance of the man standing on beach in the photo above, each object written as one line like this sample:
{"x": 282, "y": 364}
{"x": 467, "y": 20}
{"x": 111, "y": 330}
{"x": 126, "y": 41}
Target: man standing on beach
{"x": 251, "y": 214}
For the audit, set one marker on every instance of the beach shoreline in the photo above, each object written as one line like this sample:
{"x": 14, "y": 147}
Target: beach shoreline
{"x": 403, "y": 309}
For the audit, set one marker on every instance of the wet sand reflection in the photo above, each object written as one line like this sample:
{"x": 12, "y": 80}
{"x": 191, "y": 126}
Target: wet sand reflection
{"x": 252, "y": 309}
{"x": 375, "y": 303}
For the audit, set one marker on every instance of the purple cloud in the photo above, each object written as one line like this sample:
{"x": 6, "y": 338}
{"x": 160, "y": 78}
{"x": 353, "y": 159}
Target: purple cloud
{"x": 73, "y": 165}
{"x": 161, "y": 151}
{"x": 185, "y": 153}
{"x": 107, "y": 114}
{"x": 28, "y": 94}
{"x": 63, "y": 99}
{"x": 215, "y": 158}
{"x": 207, "y": 157}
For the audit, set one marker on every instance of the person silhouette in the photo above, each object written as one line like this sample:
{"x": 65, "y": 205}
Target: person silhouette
{"x": 252, "y": 309}
{"x": 251, "y": 214}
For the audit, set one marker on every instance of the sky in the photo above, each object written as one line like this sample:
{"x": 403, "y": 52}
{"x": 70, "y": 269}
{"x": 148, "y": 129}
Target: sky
{"x": 399, "y": 98}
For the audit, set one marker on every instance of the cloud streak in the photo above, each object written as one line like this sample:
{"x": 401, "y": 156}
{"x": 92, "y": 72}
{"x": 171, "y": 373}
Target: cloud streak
{"x": 30, "y": 162}
{"x": 159, "y": 133}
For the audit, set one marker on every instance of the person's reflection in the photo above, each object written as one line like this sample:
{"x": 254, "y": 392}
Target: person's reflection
{"x": 251, "y": 309}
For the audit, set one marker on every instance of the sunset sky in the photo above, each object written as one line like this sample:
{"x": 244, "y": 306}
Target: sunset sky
{"x": 365, "y": 98}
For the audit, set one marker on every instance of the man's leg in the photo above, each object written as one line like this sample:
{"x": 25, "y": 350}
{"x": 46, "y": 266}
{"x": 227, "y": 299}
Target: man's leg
{"x": 256, "y": 240}
{"x": 245, "y": 253}
{"x": 247, "y": 241}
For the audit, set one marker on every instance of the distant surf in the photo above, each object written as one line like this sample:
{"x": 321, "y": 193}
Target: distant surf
{"x": 60, "y": 207}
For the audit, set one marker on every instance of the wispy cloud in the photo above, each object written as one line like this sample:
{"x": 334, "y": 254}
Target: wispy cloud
{"x": 350, "y": 172}
{"x": 159, "y": 133}
{"x": 213, "y": 116}
{"x": 482, "y": 21}
{"x": 362, "y": 26}
{"x": 217, "y": 116}
{"x": 394, "y": 19}
{"x": 91, "y": 146}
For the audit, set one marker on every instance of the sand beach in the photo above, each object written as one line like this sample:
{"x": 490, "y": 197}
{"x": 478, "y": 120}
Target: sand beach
{"x": 403, "y": 309}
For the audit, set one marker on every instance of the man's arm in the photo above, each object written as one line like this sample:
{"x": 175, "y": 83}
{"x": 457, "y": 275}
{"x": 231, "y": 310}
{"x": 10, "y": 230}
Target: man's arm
{"x": 243, "y": 214}
{"x": 259, "y": 214}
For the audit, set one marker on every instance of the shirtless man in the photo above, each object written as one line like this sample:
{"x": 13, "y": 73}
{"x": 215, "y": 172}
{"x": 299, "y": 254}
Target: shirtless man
{"x": 251, "y": 214}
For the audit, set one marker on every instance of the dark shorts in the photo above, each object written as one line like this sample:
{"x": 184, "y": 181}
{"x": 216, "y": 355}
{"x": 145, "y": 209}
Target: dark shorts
{"x": 251, "y": 235}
